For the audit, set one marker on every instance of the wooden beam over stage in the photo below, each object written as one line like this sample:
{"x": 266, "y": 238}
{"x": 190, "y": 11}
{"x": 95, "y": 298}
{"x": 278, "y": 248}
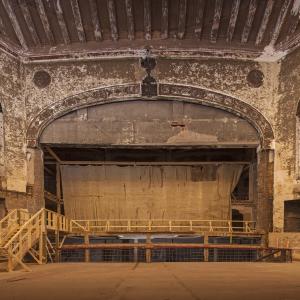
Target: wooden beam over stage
{"x": 233, "y": 17}
{"x": 15, "y": 24}
{"x": 147, "y": 19}
{"x": 78, "y": 20}
{"x": 130, "y": 19}
{"x": 95, "y": 20}
{"x": 164, "y": 19}
{"x": 61, "y": 21}
{"x": 264, "y": 22}
{"x": 182, "y": 18}
{"x": 150, "y": 163}
{"x": 29, "y": 22}
{"x": 280, "y": 21}
{"x": 249, "y": 21}
{"x": 112, "y": 19}
{"x": 216, "y": 21}
{"x": 53, "y": 154}
{"x": 199, "y": 17}
{"x": 44, "y": 19}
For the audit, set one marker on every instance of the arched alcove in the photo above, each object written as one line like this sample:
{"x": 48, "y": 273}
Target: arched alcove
{"x": 115, "y": 126}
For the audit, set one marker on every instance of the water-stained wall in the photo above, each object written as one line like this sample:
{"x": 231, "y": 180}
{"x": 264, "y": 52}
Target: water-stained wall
{"x": 276, "y": 99}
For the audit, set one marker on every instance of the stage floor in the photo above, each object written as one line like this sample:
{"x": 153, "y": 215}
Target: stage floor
{"x": 159, "y": 281}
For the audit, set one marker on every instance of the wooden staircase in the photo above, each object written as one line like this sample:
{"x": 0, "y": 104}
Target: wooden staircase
{"x": 21, "y": 236}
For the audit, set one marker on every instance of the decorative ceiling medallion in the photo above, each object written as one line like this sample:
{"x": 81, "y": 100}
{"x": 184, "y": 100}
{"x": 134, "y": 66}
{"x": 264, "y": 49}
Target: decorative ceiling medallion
{"x": 41, "y": 79}
{"x": 255, "y": 78}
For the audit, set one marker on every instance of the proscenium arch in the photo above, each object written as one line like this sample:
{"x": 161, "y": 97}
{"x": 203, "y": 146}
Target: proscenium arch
{"x": 129, "y": 92}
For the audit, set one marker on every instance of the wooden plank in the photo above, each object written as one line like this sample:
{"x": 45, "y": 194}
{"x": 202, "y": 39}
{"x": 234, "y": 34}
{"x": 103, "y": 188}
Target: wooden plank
{"x": 233, "y": 17}
{"x": 53, "y": 154}
{"x": 29, "y": 22}
{"x": 78, "y": 20}
{"x": 15, "y": 23}
{"x": 95, "y": 20}
{"x": 216, "y": 21}
{"x": 160, "y": 245}
{"x": 147, "y": 19}
{"x": 130, "y": 20}
{"x": 182, "y": 18}
{"x": 164, "y": 19}
{"x": 199, "y": 17}
{"x": 2, "y": 27}
{"x": 280, "y": 21}
{"x": 112, "y": 19}
{"x": 264, "y": 22}
{"x": 44, "y": 19}
{"x": 61, "y": 21}
{"x": 249, "y": 21}
{"x": 150, "y": 163}
{"x": 58, "y": 188}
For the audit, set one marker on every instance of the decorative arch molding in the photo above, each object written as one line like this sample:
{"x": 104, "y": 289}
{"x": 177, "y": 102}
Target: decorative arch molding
{"x": 128, "y": 92}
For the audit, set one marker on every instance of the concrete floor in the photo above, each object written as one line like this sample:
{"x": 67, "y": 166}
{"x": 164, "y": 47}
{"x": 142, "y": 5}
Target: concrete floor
{"x": 157, "y": 281}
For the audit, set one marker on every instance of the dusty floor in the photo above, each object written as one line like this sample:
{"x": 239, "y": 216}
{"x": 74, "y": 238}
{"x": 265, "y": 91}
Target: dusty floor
{"x": 154, "y": 281}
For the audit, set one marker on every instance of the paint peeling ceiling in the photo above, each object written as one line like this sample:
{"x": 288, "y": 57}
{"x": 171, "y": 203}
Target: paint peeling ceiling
{"x": 62, "y": 29}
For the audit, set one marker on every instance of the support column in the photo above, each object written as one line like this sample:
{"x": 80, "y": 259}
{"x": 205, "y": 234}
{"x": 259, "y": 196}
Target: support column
{"x": 86, "y": 251}
{"x": 148, "y": 250}
{"x": 58, "y": 188}
{"x": 135, "y": 251}
{"x": 265, "y": 189}
{"x": 35, "y": 176}
{"x": 206, "y": 253}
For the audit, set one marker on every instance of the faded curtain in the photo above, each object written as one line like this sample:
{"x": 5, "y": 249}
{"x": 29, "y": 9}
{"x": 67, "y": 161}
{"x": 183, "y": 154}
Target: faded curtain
{"x": 144, "y": 192}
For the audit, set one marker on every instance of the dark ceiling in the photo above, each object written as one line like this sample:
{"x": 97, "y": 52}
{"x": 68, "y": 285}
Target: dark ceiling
{"x": 45, "y": 29}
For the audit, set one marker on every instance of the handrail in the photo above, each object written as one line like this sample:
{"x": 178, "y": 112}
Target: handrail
{"x": 24, "y": 226}
{"x": 150, "y": 225}
{"x": 11, "y": 222}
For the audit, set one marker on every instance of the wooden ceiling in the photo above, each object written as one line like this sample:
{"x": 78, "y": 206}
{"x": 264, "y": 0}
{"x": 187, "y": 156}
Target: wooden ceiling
{"x": 53, "y": 29}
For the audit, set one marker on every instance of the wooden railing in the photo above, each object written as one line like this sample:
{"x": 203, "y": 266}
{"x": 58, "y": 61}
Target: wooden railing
{"x": 25, "y": 238}
{"x": 55, "y": 221}
{"x": 129, "y": 226}
{"x": 10, "y": 223}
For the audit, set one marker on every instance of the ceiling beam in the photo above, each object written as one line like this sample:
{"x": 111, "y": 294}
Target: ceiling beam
{"x": 61, "y": 21}
{"x": 147, "y": 19}
{"x": 112, "y": 19}
{"x": 164, "y": 19}
{"x": 29, "y": 22}
{"x": 15, "y": 23}
{"x": 44, "y": 19}
{"x": 130, "y": 20}
{"x": 2, "y": 27}
{"x": 249, "y": 21}
{"x": 182, "y": 18}
{"x": 233, "y": 17}
{"x": 200, "y": 6}
{"x": 78, "y": 20}
{"x": 216, "y": 21}
{"x": 280, "y": 21}
{"x": 95, "y": 20}
{"x": 264, "y": 22}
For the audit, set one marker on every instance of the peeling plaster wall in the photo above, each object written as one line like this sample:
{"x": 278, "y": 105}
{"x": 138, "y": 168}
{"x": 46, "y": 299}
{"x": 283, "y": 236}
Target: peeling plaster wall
{"x": 286, "y": 184}
{"x": 277, "y": 102}
{"x": 13, "y": 173}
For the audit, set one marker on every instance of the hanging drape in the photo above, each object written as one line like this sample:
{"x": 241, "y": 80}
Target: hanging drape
{"x": 143, "y": 192}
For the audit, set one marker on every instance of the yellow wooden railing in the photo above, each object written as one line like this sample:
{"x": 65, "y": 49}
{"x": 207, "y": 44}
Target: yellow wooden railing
{"x": 133, "y": 225}
{"x": 25, "y": 231}
{"x": 23, "y": 241}
{"x": 10, "y": 223}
